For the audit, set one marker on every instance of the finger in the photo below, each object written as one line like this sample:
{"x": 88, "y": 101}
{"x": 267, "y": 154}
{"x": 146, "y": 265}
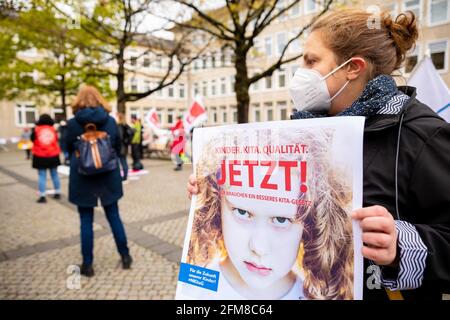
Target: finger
{"x": 378, "y": 224}
{"x": 372, "y": 211}
{"x": 379, "y": 256}
{"x": 376, "y": 239}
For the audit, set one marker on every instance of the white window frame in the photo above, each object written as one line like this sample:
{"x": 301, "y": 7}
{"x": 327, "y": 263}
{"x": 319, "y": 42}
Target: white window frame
{"x": 447, "y": 41}
{"x": 434, "y": 24}
{"x": 420, "y": 17}
{"x": 22, "y": 108}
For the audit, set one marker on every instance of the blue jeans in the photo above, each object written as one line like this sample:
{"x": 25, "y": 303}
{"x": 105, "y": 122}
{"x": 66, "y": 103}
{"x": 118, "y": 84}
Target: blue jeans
{"x": 124, "y": 164}
{"x": 87, "y": 233}
{"x": 43, "y": 181}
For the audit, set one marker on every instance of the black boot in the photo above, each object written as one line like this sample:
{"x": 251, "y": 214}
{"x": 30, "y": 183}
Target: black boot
{"x": 87, "y": 270}
{"x": 41, "y": 200}
{"x": 126, "y": 262}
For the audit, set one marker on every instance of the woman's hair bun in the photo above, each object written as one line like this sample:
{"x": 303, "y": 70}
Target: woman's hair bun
{"x": 403, "y": 31}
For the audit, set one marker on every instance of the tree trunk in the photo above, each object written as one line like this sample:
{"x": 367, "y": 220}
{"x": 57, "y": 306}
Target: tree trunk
{"x": 63, "y": 96}
{"x": 241, "y": 85}
{"x": 120, "y": 92}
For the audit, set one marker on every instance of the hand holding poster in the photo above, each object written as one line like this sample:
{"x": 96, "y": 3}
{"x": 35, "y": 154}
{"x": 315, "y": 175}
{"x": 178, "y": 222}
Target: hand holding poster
{"x": 272, "y": 216}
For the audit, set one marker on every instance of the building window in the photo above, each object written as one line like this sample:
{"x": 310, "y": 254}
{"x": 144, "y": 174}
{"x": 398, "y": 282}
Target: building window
{"x": 439, "y": 54}
{"x": 133, "y": 85}
{"x": 170, "y": 90}
{"x": 181, "y": 90}
{"x": 256, "y": 112}
{"x": 196, "y": 89}
{"x": 295, "y": 10}
{"x": 269, "y": 110}
{"x": 26, "y": 115}
{"x": 223, "y": 86}
{"x": 135, "y": 112}
{"x": 255, "y": 85}
{"x": 204, "y": 88}
{"x": 268, "y": 82}
{"x": 392, "y": 9}
{"x": 213, "y": 115}
{"x": 311, "y": 6}
{"x": 268, "y": 46}
{"x": 213, "y": 87}
{"x": 213, "y": 60}
{"x": 146, "y": 62}
{"x": 414, "y": 6}
{"x": 232, "y": 82}
{"x": 235, "y": 114}
{"x": 281, "y": 78}
{"x": 158, "y": 61}
{"x": 170, "y": 116}
{"x": 133, "y": 61}
{"x": 223, "y": 57}
{"x": 282, "y": 106}
{"x": 281, "y": 42}
{"x": 438, "y": 11}
{"x": 224, "y": 114}
{"x": 411, "y": 60}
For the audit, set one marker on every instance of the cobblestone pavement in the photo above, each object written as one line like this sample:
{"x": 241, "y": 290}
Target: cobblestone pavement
{"x": 40, "y": 242}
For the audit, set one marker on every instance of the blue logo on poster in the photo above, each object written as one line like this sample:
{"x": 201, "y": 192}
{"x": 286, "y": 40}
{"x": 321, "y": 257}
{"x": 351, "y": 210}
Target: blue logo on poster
{"x": 198, "y": 276}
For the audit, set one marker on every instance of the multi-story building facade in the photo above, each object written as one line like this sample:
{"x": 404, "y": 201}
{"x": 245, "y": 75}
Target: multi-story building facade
{"x": 212, "y": 76}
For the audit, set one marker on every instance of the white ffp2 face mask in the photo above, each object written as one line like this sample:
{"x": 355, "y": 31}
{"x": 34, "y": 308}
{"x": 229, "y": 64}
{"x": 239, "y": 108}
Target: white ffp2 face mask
{"x": 309, "y": 90}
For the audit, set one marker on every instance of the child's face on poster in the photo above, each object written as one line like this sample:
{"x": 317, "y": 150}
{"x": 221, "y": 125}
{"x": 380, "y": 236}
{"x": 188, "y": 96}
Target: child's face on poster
{"x": 262, "y": 240}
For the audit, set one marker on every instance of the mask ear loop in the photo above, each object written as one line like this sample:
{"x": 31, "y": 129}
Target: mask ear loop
{"x": 333, "y": 71}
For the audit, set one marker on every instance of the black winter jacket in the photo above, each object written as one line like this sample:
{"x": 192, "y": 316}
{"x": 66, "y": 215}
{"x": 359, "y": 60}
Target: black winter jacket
{"x": 423, "y": 184}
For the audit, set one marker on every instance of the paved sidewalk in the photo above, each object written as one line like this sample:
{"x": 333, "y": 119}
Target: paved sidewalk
{"x": 40, "y": 242}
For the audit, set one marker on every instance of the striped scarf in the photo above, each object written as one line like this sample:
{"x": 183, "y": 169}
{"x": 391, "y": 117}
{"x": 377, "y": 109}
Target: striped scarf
{"x": 380, "y": 96}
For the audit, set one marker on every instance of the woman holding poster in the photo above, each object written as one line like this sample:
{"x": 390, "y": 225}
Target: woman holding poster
{"x": 274, "y": 225}
{"x": 405, "y": 218}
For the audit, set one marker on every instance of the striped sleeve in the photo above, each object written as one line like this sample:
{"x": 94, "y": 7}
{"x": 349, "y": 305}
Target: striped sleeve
{"x": 413, "y": 254}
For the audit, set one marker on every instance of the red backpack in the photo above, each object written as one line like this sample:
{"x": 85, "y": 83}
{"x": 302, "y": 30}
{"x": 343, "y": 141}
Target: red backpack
{"x": 46, "y": 142}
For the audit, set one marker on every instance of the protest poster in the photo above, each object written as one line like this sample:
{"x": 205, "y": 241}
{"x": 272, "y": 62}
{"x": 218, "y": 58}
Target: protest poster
{"x": 272, "y": 216}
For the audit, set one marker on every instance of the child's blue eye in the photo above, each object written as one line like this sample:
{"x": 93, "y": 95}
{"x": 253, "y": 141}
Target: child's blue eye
{"x": 281, "y": 221}
{"x": 242, "y": 214}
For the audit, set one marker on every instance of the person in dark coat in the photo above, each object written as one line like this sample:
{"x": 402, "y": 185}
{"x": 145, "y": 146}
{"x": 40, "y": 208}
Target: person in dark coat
{"x": 46, "y": 155}
{"x": 85, "y": 191}
{"x": 62, "y": 140}
{"x": 125, "y": 134}
{"x": 405, "y": 219}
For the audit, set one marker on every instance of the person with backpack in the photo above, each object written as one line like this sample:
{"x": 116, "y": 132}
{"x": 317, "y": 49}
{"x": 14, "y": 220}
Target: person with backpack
{"x": 125, "y": 133}
{"x": 93, "y": 143}
{"x": 46, "y": 155}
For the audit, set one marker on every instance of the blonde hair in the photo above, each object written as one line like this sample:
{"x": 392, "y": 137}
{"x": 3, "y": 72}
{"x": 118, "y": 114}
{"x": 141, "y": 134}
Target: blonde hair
{"x": 326, "y": 252}
{"x": 89, "y": 96}
{"x": 347, "y": 34}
